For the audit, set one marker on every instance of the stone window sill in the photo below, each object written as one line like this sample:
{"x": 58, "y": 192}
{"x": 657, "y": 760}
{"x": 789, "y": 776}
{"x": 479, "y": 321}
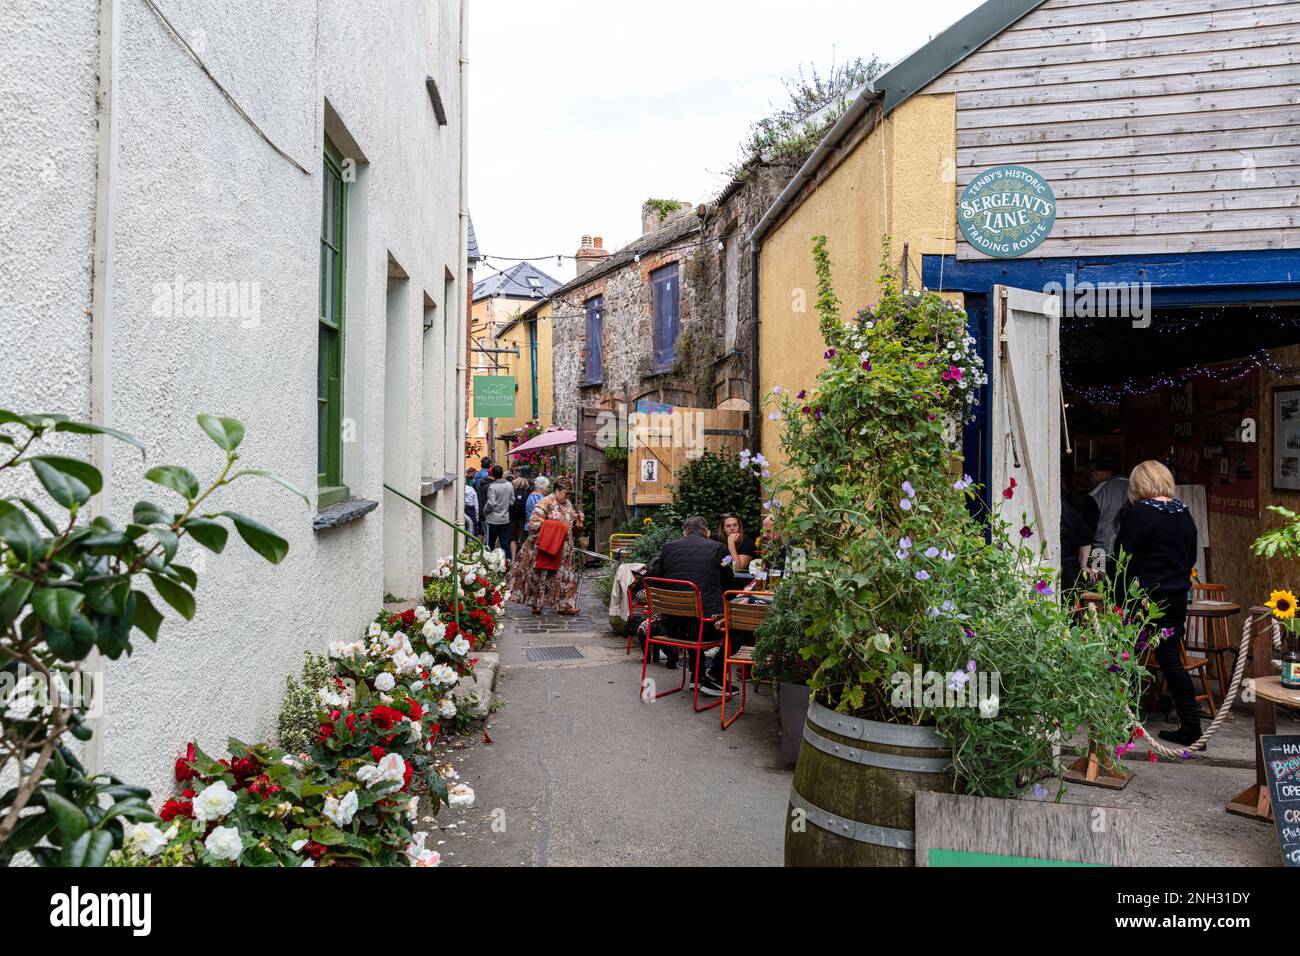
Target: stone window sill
{"x": 345, "y": 512}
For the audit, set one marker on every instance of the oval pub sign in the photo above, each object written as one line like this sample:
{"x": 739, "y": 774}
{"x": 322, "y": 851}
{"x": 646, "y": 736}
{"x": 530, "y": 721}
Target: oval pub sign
{"x": 1006, "y": 211}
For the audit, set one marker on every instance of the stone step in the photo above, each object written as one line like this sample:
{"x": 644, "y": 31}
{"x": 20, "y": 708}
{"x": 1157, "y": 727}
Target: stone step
{"x": 480, "y": 688}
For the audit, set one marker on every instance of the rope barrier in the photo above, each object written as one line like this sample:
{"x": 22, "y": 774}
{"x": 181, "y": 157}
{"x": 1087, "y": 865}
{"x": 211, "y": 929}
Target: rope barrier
{"x": 1184, "y": 752}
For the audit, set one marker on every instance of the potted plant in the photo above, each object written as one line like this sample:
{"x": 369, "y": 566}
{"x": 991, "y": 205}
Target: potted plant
{"x": 938, "y": 655}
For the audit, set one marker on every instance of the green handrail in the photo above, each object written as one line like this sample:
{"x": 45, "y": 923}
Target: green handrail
{"x": 456, "y": 532}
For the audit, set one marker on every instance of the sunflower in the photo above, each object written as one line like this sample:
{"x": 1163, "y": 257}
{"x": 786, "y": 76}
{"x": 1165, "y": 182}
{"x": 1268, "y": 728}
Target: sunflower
{"x": 1283, "y": 604}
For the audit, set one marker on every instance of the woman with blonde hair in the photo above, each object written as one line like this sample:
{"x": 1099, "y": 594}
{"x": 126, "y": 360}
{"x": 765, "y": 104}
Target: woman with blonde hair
{"x": 1157, "y": 534}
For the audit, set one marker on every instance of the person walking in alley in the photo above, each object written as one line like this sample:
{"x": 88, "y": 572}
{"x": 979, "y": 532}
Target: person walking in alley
{"x": 471, "y": 503}
{"x": 496, "y": 513}
{"x": 1107, "y": 499}
{"x": 1159, "y": 536}
{"x": 697, "y": 558}
{"x": 541, "y": 485}
{"x": 518, "y": 515}
{"x": 546, "y": 572}
{"x": 482, "y": 479}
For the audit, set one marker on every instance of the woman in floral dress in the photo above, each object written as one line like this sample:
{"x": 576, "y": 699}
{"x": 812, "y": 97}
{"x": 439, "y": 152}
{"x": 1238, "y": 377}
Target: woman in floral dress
{"x": 559, "y": 588}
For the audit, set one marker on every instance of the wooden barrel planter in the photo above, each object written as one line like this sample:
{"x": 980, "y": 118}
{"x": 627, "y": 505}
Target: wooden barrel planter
{"x": 852, "y": 799}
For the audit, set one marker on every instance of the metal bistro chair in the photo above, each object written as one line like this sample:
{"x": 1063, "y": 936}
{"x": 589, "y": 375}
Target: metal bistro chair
{"x": 619, "y": 543}
{"x": 665, "y": 598}
{"x": 742, "y": 616}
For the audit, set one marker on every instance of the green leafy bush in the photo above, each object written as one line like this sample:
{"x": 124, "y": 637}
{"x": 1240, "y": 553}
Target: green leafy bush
{"x": 910, "y": 613}
{"x": 70, "y": 586}
{"x": 714, "y": 484}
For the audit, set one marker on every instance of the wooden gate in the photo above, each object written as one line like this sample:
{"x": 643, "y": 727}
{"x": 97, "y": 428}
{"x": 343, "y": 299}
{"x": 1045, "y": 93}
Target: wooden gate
{"x": 659, "y": 444}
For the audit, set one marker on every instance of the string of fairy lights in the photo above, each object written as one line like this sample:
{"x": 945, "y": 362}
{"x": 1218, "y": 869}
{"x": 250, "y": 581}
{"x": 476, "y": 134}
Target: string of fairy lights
{"x": 1220, "y": 373}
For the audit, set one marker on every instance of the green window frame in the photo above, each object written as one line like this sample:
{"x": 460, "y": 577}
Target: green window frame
{"x": 329, "y": 341}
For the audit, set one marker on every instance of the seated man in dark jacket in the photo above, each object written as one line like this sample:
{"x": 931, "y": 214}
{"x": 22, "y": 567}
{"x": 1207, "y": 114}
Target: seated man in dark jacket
{"x": 697, "y": 558}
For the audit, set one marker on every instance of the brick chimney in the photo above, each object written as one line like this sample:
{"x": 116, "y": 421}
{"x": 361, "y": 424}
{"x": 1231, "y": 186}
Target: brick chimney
{"x": 659, "y": 212}
{"x": 590, "y": 253}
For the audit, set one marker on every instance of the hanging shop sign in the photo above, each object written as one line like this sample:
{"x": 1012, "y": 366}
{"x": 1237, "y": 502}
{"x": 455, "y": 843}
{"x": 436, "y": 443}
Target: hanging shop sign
{"x": 494, "y": 396}
{"x": 1006, "y": 211}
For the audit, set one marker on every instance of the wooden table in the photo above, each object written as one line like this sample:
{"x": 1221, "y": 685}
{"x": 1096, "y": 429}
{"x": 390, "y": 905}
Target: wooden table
{"x": 1253, "y": 802}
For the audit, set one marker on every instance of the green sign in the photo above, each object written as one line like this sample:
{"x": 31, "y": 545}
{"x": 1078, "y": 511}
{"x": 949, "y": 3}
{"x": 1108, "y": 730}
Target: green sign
{"x": 940, "y": 857}
{"x": 1006, "y": 211}
{"x": 494, "y": 396}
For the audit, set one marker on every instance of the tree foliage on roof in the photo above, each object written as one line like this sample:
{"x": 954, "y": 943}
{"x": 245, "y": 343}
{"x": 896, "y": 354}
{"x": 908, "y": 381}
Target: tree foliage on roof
{"x": 815, "y": 101}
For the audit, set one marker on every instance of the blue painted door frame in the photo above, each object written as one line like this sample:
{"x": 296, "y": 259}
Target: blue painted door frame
{"x": 1206, "y": 278}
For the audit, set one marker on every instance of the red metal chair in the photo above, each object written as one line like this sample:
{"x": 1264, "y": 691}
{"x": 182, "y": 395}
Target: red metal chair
{"x": 666, "y": 598}
{"x": 743, "y": 616}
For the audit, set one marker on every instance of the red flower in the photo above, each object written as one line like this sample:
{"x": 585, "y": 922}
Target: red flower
{"x": 183, "y": 769}
{"x": 1009, "y": 492}
{"x": 177, "y": 808}
{"x": 326, "y": 732}
{"x": 385, "y": 717}
{"x": 351, "y": 722}
{"x": 414, "y": 708}
{"x": 377, "y": 752}
{"x": 315, "y": 850}
{"x": 406, "y": 774}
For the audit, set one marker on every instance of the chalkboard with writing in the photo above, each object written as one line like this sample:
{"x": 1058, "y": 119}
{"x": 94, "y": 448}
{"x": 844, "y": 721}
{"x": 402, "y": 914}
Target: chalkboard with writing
{"x": 1282, "y": 765}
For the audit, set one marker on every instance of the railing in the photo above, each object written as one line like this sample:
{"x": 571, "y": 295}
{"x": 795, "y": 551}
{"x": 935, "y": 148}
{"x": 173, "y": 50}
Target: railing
{"x": 456, "y": 532}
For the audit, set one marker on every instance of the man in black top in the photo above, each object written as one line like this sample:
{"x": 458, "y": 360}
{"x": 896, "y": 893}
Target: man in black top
{"x": 697, "y": 558}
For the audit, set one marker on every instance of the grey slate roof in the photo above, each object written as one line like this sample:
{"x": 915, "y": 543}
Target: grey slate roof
{"x": 472, "y": 256}
{"x": 514, "y": 283}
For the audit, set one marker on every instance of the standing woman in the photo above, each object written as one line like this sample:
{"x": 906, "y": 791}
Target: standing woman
{"x": 1158, "y": 534}
{"x": 545, "y": 573}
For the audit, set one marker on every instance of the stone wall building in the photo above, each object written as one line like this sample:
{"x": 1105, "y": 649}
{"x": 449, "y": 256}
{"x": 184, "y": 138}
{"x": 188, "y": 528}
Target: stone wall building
{"x": 668, "y": 317}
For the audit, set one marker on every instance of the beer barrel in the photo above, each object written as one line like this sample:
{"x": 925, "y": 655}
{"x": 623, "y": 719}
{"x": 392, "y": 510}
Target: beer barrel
{"x": 852, "y": 803}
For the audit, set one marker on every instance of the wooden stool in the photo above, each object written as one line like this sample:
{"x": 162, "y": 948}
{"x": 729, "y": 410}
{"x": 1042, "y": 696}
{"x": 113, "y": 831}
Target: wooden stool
{"x": 1213, "y": 637}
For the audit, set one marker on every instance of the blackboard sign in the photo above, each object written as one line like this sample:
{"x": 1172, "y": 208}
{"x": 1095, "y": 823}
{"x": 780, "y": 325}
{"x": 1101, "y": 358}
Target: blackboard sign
{"x": 1282, "y": 765}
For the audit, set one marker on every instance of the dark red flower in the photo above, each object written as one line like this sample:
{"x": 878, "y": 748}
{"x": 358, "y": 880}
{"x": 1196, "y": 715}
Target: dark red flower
{"x": 183, "y": 769}
{"x": 377, "y": 751}
{"x": 385, "y": 718}
{"x": 315, "y": 850}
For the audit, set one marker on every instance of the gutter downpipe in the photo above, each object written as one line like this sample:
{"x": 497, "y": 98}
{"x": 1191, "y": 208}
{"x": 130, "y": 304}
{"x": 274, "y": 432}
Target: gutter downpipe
{"x": 829, "y": 142}
{"x": 461, "y": 404}
{"x": 101, "y": 315}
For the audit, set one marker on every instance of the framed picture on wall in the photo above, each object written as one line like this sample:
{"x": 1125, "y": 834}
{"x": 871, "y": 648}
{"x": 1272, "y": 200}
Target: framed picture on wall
{"x": 1286, "y": 438}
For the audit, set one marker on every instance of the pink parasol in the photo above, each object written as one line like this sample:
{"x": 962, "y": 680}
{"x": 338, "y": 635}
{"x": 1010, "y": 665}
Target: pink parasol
{"x": 547, "y": 439}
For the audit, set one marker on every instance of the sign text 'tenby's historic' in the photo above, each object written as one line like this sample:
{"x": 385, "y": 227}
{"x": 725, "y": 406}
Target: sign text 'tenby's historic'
{"x": 1006, "y": 211}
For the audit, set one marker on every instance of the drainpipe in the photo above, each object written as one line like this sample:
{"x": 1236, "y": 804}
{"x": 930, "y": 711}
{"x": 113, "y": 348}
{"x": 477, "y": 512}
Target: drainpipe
{"x": 101, "y": 310}
{"x": 462, "y": 293}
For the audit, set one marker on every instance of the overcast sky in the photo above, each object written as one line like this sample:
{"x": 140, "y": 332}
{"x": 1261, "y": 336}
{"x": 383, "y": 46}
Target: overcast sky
{"x": 580, "y": 111}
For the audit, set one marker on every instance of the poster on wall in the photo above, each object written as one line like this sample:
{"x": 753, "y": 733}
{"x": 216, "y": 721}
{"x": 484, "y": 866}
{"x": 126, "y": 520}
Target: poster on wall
{"x": 1286, "y": 439}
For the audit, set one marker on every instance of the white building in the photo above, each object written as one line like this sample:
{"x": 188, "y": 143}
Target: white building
{"x": 168, "y": 166}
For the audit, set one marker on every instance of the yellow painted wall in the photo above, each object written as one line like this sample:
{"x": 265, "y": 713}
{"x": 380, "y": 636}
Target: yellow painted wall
{"x": 898, "y": 181}
{"x": 501, "y": 311}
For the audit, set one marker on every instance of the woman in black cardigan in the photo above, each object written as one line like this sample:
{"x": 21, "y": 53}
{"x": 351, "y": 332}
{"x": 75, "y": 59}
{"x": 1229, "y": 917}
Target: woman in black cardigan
{"x": 1159, "y": 536}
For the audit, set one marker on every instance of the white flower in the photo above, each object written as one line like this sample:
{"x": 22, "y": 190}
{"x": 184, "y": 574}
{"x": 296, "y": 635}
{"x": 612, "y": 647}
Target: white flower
{"x": 421, "y": 614}
{"x": 443, "y": 676}
{"x": 375, "y": 630}
{"x": 434, "y": 630}
{"x": 989, "y": 706}
{"x": 418, "y": 855}
{"x": 426, "y": 660}
{"x": 446, "y": 707}
{"x": 309, "y": 863}
{"x": 460, "y": 795}
{"x": 214, "y": 802}
{"x": 460, "y": 646}
{"x": 342, "y": 811}
{"x": 331, "y": 699}
{"x": 384, "y": 682}
{"x": 297, "y": 845}
{"x": 343, "y": 649}
{"x": 414, "y": 734}
{"x": 391, "y": 769}
{"x": 413, "y": 809}
{"x": 417, "y": 686}
{"x": 293, "y": 762}
{"x": 145, "y": 837}
{"x": 224, "y": 843}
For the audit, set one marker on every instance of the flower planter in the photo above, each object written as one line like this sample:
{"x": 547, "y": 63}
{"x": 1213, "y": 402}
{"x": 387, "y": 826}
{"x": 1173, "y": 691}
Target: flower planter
{"x": 794, "y": 708}
{"x": 852, "y": 801}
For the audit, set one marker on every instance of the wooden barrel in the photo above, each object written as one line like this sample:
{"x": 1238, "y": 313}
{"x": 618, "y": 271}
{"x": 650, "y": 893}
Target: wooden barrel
{"x": 852, "y": 799}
